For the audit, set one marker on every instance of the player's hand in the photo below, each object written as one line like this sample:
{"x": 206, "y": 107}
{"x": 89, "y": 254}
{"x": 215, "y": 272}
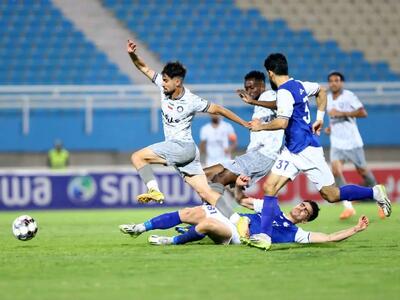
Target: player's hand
{"x": 317, "y": 126}
{"x": 256, "y": 125}
{"x": 131, "y": 47}
{"x": 363, "y": 223}
{"x": 334, "y": 113}
{"x": 327, "y": 130}
{"x": 245, "y": 96}
{"x": 242, "y": 180}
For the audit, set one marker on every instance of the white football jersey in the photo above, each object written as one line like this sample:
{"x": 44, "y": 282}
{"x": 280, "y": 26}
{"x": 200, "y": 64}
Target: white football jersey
{"x": 217, "y": 141}
{"x": 344, "y": 131}
{"x": 177, "y": 114}
{"x": 268, "y": 142}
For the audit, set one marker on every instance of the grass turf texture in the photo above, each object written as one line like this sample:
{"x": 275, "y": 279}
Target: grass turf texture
{"x": 82, "y": 255}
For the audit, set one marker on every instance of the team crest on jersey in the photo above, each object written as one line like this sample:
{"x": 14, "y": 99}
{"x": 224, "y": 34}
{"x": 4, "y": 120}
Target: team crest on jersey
{"x": 179, "y": 108}
{"x": 170, "y": 105}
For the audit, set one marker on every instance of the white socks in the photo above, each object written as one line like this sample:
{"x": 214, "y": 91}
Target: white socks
{"x": 152, "y": 184}
{"x": 347, "y": 204}
{"x": 234, "y": 218}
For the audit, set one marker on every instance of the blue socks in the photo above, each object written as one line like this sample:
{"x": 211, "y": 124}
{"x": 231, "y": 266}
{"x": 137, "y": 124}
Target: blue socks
{"x": 163, "y": 221}
{"x": 267, "y": 214}
{"x": 190, "y": 236}
{"x": 355, "y": 192}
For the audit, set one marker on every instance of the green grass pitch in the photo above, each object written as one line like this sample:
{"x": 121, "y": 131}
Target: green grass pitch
{"x": 82, "y": 255}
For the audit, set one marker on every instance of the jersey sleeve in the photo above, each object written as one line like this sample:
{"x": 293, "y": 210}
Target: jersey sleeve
{"x": 312, "y": 88}
{"x": 268, "y": 96}
{"x": 199, "y": 104}
{"x": 258, "y": 205}
{"x": 285, "y": 102}
{"x": 302, "y": 236}
{"x": 355, "y": 102}
{"x": 157, "y": 80}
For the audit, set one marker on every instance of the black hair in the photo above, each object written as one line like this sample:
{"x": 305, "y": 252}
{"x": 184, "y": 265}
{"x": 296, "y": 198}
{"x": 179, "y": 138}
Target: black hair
{"x": 277, "y": 63}
{"x": 315, "y": 210}
{"x": 257, "y": 75}
{"x": 336, "y": 73}
{"x": 174, "y": 69}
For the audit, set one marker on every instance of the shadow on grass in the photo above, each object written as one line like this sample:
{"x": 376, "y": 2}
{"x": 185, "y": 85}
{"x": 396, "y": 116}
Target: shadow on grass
{"x": 280, "y": 247}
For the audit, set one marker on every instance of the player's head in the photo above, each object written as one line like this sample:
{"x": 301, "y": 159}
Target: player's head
{"x": 306, "y": 211}
{"x": 254, "y": 84}
{"x": 276, "y": 65}
{"x": 215, "y": 119}
{"x": 58, "y": 145}
{"x": 335, "y": 81}
{"x": 173, "y": 75}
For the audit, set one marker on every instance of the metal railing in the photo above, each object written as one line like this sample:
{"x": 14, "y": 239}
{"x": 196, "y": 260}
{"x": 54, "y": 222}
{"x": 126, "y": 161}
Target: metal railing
{"x": 91, "y": 97}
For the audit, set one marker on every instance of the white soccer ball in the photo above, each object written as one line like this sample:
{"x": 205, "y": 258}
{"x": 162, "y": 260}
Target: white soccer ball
{"x": 24, "y": 228}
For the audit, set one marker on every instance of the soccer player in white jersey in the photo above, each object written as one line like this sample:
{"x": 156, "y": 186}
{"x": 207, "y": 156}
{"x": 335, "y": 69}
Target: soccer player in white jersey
{"x": 206, "y": 220}
{"x": 217, "y": 141}
{"x": 302, "y": 152}
{"x": 264, "y": 146}
{"x": 346, "y": 143}
{"x": 178, "y": 106}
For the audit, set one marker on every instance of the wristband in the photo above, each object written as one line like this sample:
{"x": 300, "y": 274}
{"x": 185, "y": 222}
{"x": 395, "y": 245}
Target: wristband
{"x": 320, "y": 115}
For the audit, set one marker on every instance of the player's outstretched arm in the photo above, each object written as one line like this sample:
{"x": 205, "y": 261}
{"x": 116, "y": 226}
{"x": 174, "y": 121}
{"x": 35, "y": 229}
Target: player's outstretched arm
{"x": 359, "y": 113}
{"x": 137, "y": 61}
{"x": 275, "y": 124}
{"x": 321, "y": 100}
{"x": 222, "y": 111}
{"x": 249, "y": 100}
{"x": 316, "y": 237}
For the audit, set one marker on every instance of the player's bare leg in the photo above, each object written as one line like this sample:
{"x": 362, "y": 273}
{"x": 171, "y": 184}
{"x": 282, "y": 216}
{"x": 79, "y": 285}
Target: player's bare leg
{"x": 337, "y": 170}
{"x": 216, "y": 230}
{"x": 200, "y": 185}
{"x": 142, "y": 161}
{"x": 333, "y": 194}
{"x": 212, "y": 171}
{"x": 225, "y": 177}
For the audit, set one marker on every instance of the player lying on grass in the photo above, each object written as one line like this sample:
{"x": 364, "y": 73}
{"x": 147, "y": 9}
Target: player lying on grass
{"x": 206, "y": 220}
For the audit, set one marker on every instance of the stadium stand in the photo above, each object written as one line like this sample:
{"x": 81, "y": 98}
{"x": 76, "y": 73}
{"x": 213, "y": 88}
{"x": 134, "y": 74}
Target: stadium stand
{"x": 217, "y": 40}
{"x": 39, "y": 46}
{"x": 368, "y": 26}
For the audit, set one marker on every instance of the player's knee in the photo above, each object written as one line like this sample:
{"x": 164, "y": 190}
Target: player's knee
{"x": 187, "y": 214}
{"x": 208, "y": 225}
{"x": 330, "y": 194}
{"x": 136, "y": 158}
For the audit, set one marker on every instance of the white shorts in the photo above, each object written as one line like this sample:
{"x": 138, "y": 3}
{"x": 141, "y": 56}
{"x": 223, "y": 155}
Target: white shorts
{"x": 310, "y": 161}
{"x": 214, "y": 213}
{"x": 355, "y": 155}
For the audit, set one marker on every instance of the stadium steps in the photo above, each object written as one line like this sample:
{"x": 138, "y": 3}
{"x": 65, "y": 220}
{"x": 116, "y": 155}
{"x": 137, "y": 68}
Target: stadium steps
{"x": 219, "y": 41}
{"x": 109, "y": 35}
{"x": 368, "y": 26}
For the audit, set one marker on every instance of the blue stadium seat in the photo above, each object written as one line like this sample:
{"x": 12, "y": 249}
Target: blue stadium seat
{"x": 215, "y": 32}
{"x": 38, "y": 32}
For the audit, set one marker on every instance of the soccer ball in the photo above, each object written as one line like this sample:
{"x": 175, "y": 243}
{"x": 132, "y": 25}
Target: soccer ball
{"x": 24, "y": 228}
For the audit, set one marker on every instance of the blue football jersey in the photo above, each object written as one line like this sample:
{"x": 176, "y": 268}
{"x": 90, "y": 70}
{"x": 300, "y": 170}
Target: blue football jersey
{"x": 283, "y": 230}
{"x": 292, "y": 102}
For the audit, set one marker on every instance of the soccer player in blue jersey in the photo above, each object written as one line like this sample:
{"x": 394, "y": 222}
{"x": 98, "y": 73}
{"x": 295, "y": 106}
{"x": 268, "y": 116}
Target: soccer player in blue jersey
{"x": 206, "y": 220}
{"x": 302, "y": 152}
